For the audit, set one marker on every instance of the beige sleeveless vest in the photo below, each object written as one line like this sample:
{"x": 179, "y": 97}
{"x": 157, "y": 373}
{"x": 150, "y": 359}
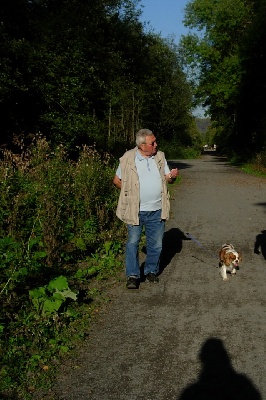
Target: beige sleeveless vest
{"x": 129, "y": 199}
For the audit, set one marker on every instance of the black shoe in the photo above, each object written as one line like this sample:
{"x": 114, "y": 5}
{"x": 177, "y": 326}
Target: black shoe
{"x": 132, "y": 282}
{"x": 152, "y": 278}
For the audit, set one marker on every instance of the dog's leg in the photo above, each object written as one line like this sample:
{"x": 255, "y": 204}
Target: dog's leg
{"x": 233, "y": 271}
{"x": 223, "y": 273}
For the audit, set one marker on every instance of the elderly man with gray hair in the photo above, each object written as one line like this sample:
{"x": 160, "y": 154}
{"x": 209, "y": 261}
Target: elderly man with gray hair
{"x": 142, "y": 177}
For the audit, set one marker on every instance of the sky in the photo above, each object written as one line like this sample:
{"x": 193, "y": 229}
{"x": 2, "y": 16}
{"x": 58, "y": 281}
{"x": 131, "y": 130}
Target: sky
{"x": 165, "y": 16}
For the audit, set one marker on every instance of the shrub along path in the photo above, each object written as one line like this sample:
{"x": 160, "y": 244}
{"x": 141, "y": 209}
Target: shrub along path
{"x": 192, "y": 336}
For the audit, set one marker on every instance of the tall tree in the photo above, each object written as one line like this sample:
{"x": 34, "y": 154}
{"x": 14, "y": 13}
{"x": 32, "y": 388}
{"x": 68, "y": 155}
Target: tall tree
{"x": 251, "y": 108}
{"x": 216, "y": 55}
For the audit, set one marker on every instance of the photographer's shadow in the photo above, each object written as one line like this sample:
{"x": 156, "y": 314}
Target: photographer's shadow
{"x": 218, "y": 380}
{"x": 260, "y": 244}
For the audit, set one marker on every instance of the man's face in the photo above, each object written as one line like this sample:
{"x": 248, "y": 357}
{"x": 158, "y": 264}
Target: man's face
{"x": 150, "y": 147}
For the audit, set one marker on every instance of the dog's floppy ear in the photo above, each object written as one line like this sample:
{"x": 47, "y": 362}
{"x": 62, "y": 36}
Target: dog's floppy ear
{"x": 228, "y": 258}
{"x": 221, "y": 254}
{"x": 240, "y": 256}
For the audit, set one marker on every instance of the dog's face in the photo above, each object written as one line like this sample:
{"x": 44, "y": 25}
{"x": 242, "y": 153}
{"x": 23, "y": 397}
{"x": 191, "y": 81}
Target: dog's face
{"x": 232, "y": 258}
{"x": 229, "y": 256}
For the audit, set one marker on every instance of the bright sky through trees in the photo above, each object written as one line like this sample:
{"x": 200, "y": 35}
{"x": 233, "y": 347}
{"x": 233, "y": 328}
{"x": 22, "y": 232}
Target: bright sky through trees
{"x": 165, "y": 17}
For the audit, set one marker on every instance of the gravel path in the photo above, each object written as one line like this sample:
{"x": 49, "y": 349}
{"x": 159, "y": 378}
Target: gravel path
{"x": 192, "y": 336}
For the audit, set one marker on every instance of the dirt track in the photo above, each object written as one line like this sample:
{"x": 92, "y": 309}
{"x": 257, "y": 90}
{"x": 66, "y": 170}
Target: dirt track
{"x": 191, "y": 328}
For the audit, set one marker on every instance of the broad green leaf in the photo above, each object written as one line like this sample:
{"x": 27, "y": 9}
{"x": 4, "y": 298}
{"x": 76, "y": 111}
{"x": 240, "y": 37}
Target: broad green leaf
{"x": 59, "y": 283}
{"x": 37, "y": 293}
{"x": 51, "y": 306}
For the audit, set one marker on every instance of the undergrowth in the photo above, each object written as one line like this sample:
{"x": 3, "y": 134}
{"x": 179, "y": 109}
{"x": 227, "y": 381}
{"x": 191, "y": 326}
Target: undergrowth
{"x": 257, "y": 165}
{"x": 59, "y": 241}
{"x": 254, "y": 166}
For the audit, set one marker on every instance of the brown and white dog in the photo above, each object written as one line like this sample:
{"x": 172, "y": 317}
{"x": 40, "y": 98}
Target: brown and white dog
{"x": 229, "y": 260}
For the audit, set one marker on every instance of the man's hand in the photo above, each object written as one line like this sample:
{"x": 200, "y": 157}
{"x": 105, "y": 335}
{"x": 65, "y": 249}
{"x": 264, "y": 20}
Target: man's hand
{"x": 172, "y": 175}
{"x": 174, "y": 172}
{"x": 117, "y": 182}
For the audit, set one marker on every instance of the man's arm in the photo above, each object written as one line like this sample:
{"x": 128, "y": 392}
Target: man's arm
{"x": 117, "y": 182}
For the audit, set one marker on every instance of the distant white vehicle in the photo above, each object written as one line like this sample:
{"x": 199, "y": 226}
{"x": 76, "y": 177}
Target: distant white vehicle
{"x": 206, "y": 147}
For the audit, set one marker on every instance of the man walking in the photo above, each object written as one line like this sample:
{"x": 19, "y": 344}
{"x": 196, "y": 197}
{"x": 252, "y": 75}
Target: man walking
{"x": 142, "y": 177}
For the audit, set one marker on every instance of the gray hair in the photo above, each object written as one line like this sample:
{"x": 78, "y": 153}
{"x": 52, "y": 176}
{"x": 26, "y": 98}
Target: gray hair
{"x": 141, "y": 136}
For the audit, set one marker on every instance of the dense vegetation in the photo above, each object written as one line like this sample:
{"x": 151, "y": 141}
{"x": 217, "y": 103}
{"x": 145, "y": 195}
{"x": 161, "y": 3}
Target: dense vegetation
{"x": 59, "y": 239}
{"x": 86, "y": 72}
{"x": 226, "y": 54}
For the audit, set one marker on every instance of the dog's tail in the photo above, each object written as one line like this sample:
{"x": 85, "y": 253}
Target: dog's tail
{"x": 227, "y": 245}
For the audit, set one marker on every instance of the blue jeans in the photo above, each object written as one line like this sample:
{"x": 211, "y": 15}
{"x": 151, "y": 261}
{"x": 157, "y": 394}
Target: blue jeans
{"x": 154, "y": 230}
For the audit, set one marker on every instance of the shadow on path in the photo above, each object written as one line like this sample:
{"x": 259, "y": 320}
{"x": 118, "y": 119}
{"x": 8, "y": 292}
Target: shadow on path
{"x": 179, "y": 164}
{"x": 260, "y": 244}
{"x": 218, "y": 380}
{"x": 172, "y": 244}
